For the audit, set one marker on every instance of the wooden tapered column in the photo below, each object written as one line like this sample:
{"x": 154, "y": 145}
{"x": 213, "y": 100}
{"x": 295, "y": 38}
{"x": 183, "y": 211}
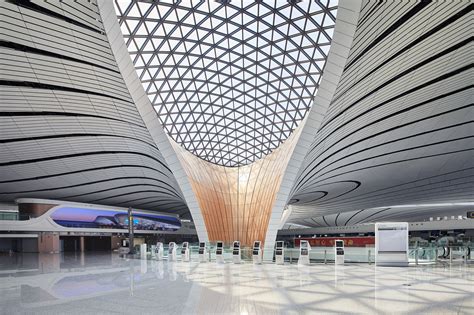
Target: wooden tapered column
{"x": 236, "y": 202}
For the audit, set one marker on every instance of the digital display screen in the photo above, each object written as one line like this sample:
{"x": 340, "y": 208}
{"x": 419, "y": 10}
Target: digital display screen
{"x": 185, "y": 245}
{"x": 74, "y": 217}
{"x": 339, "y": 243}
{"x": 304, "y": 244}
{"x": 236, "y": 245}
{"x": 279, "y": 244}
{"x": 256, "y": 244}
{"x": 202, "y": 244}
{"x": 219, "y": 245}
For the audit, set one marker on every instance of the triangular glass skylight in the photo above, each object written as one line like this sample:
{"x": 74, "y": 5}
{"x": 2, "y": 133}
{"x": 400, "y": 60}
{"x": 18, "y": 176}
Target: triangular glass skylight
{"x": 253, "y": 67}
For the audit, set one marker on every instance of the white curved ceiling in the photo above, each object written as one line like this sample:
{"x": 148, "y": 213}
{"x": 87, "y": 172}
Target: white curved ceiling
{"x": 410, "y": 213}
{"x": 69, "y": 128}
{"x": 230, "y": 80}
{"x": 400, "y": 127}
{"x": 399, "y": 131}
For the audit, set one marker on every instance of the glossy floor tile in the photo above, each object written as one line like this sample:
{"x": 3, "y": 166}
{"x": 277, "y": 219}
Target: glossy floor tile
{"x": 108, "y": 284}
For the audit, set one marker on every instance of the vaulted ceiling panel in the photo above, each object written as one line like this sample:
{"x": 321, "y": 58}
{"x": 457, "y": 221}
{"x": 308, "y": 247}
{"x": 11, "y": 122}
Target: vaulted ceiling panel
{"x": 400, "y": 128}
{"x": 69, "y": 128}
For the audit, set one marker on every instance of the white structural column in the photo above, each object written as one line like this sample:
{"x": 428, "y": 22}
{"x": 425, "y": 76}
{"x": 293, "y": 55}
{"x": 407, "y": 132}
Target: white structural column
{"x": 346, "y": 23}
{"x": 147, "y": 112}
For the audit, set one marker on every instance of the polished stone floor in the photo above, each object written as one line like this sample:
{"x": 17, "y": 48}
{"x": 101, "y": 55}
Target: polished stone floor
{"x": 107, "y": 284}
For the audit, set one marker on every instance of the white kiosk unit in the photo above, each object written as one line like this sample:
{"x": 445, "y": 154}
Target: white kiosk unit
{"x": 143, "y": 251}
{"x": 159, "y": 251}
{"x": 185, "y": 254}
{"x": 220, "y": 252}
{"x": 125, "y": 248}
{"x": 305, "y": 248}
{"x": 153, "y": 251}
{"x": 339, "y": 252}
{"x": 172, "y": 251}
{"x": 391, "y": 244}
{"x": 279, "y": 253}
{"x": 202, "y": 252}
{"x": 257, "y": 252}
{"x": 236, "y": 254}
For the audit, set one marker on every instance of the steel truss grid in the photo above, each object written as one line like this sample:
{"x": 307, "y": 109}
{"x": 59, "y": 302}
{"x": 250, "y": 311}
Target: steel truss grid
{"x": 230, "y": 81}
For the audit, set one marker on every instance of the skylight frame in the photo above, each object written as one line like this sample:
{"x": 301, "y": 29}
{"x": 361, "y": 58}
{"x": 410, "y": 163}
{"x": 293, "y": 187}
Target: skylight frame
{"x": 239, "y": 98}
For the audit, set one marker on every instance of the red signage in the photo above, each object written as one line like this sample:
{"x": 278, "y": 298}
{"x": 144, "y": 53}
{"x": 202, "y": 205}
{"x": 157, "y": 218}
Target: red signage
{"x": 355, "y": 241}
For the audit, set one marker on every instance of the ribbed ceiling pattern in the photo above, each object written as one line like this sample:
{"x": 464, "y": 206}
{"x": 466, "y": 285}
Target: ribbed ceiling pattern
{"x": 230, "y": 80}
{"x": 400, "y": 127}
{"x": 410, "y": 213}
{"x": 69, "y": 129}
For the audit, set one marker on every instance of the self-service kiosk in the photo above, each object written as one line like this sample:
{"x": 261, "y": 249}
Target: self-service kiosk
{"x": 220, "y": 252}
{"x": 236, "y": 254}
{"x": 305, "y": 248}
{"x": 185, "y": 254}
{"x": 172, "y": 251}
{"x": 126, "y": 243}
{"x": 125, "y": 248}
{"x": 153, "y": 251}
{"x": 202, "y": 252}
{"x": 257, "y": 252}
{"x": 279, "y": 253}
{"x": 339, "y": 252}
{"x": 159, "y": 250}
{"x": 143, "y": 251}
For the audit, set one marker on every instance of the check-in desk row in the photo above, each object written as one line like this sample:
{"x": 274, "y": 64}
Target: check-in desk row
{"x": 157, "y": 252}
{"x": 305, "y": 248}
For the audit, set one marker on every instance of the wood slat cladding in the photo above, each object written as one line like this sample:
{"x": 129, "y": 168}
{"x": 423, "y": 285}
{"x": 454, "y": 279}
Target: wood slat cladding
{"x": 34, "y": 209}
{"x": 236, "y": 202}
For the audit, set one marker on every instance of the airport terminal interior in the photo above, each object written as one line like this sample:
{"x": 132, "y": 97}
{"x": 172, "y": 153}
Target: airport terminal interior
{"x": 236, "y": 157}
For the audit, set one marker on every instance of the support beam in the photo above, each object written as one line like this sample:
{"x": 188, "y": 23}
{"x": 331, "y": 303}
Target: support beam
{"x": 48, "y": 243}
{"x": 346, "y": 24}
{"x": 236, "y": 202}
{"x": 82, "y": 245}
{"x": 147, "y": 112}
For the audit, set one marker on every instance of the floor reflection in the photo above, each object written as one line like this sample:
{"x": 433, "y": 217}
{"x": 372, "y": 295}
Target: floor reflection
{"x": 106, "y": 283}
